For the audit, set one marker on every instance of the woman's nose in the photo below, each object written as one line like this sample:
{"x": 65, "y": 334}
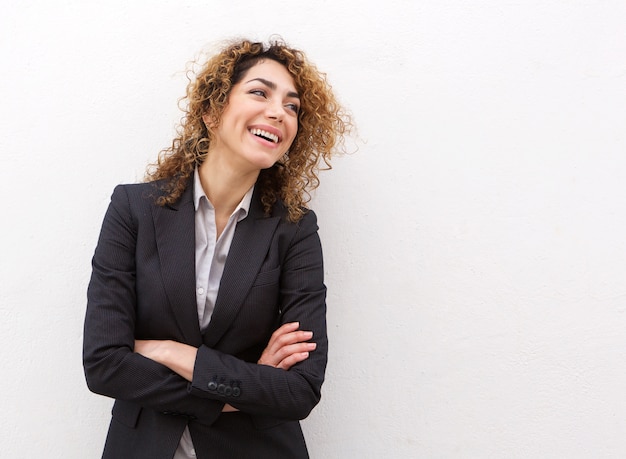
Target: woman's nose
{"x": 275, "y": 110}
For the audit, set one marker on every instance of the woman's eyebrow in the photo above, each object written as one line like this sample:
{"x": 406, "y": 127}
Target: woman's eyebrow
{"x": 272, "y": 86}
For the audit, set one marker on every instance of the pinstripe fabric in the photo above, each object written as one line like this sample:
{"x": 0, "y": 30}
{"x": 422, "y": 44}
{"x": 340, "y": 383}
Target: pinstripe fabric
{"x": 143, "y": 286}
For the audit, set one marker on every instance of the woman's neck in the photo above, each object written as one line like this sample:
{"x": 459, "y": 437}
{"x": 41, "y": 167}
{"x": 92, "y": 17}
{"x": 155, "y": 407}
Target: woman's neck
{"x": 224, "y": 186}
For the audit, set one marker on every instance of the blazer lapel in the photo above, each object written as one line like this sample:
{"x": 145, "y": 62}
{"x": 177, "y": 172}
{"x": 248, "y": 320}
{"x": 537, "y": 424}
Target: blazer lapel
{"x": 247, "y": 252}
{"x": 176, "y": 243}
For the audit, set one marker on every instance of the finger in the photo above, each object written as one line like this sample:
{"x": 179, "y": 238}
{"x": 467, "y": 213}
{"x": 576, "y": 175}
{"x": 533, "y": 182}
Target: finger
{"x": 290, "y": 361}
{"x": 283, "y": 337}
{"x": 274, "y": 358}
{"x": 281, "y": 331}
{"x": 286, "y": 328}
{"x": 290, "y": 355}
{"x": 286, "y": 351}
{"x": 288, "y": 338}
{"x": 229, "y": 409}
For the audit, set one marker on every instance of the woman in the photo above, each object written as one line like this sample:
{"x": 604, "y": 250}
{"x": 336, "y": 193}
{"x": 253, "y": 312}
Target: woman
{"x": 206, "y": 305}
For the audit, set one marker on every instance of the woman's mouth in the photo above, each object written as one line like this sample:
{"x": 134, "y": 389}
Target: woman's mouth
{"x": 265, "y": 135}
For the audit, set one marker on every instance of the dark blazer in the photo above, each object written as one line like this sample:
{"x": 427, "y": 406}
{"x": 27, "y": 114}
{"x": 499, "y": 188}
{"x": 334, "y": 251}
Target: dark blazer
{"x": 143, "y": 287}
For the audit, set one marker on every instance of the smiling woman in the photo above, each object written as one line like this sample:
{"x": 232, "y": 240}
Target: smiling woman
{"x": 322, "y": 124}
{"x": 259, "y": 122}
{"x": 206, "y": 315}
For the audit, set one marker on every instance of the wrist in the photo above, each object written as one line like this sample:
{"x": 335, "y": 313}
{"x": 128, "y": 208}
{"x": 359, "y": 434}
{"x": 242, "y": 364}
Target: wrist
{"x": 165, "y": 353}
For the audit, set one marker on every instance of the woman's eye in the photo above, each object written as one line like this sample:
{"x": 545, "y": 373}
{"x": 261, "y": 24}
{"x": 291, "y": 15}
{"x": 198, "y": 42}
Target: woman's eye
{"x": 258, "y": 92}
{"x": 293, "y": 107}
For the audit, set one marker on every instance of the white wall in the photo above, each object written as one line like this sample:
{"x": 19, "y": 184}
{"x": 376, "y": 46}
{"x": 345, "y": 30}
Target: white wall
{"x": 475, "y": 244}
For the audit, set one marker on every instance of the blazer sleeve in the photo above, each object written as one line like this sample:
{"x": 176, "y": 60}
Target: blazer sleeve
{"x": 111, "y": 367}
{"x": 264, "y": 390}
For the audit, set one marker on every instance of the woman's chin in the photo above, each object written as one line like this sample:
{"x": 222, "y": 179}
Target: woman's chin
{"x": 264, "y": 162}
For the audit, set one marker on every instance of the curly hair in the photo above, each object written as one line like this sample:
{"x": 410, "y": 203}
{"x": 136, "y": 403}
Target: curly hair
{"x": 322, "y": 125}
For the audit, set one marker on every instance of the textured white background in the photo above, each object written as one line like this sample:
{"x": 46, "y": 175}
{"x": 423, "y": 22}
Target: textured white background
{"x": 475, "y": 244}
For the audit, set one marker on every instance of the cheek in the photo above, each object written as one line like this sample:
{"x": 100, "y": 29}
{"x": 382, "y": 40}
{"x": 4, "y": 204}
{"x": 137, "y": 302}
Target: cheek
{"x": 294, "y": 130}
{"x": 290, "y": 143}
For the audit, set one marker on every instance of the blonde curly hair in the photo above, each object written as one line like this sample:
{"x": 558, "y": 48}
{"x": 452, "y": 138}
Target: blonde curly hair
{"x": 322, "y": 126}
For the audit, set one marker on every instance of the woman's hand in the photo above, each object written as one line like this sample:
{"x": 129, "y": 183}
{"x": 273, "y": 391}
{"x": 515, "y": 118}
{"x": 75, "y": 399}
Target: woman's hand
{"x": 287, "y": 346}
{"x": 178, "y": 357}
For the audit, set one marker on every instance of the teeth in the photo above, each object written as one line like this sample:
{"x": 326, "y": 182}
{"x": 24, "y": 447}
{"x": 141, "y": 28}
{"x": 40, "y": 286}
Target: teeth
{"x": 266, "y": 135}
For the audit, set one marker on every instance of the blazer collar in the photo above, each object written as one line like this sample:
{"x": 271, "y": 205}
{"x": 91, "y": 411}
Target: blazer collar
{"x": 248, "y": 249}
{"x": 175, "y": 238}
{"x": 176, "y": 244}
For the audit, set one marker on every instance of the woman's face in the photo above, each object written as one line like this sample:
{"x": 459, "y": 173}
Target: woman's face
{"x": 260, "y": 120}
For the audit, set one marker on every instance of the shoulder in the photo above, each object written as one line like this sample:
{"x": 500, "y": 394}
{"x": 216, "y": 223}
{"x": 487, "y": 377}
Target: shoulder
{"x": 307, "y": 226}
{"x": 303, "y": 229}
{"x": 140, "y": 190}
{"x": 144, "y": 194}
{"x": 308, "y": 219}
{"x": 134, "y": 202}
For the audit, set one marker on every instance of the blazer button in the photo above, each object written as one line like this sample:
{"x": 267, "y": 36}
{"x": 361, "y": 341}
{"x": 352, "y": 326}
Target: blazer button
{"x": 212, "y": 386}
{"x": 221, "y": 388}
{"x": 228, "y": 391}
{"x": 236, "y": 392}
